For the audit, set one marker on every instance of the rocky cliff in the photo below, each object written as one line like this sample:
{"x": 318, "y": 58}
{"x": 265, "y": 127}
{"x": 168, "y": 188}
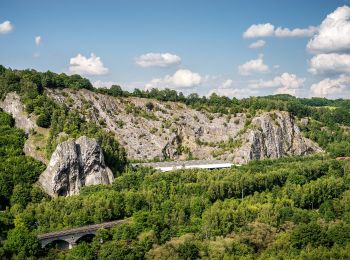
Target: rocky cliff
{"x": 12, "y": 104}
{"x": 272, "y": 135}
{"x": 75, "y": 164}
{"x": 151, "y": 129}
{"x": 36, "y": 142}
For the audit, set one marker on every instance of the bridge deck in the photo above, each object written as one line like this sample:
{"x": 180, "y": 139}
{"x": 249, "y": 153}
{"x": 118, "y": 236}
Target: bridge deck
{"x": 82, "y": 229}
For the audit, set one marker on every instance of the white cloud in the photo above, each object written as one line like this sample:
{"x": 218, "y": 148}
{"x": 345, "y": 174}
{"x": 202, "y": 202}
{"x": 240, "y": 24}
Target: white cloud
{"x": 330, "y": 63}
{"x": 103, "y": 84}
{"x": 182, "y": 78}
{"x": 226, "y": 84}
{"x": 233, "y": 92}
{"x": 258, "y": 44}
{"x": 87, "y": 66}
{"x": 37, "y": 40}
{"x": 5, "y": 27}
{"x": 268, "y": 30}
{"x": 158, "y": 60}
{"x": 286, "y": 90}
{"x": 259, "y": 30}
{"x": 297, "y": 32}
{"x": 226, "y": 89}
{"x": 253, "y": 66}
{"x": 334, "y": 32}
{"x": 186, "y": 78}
{"x": 331, "y": 87}
{"x": 286, "y": 83}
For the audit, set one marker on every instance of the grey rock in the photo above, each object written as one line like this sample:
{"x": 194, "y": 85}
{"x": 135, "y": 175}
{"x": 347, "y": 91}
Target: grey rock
{"x": 273, "y": 135}
{"x": 175, "y": 126}
{"x": 75, "y": 164}
{"x": 12, "y": 104}
{"x": 304, "y": 121}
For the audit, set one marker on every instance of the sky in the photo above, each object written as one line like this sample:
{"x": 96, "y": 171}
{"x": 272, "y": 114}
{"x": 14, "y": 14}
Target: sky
{"x": 236, "y": 48}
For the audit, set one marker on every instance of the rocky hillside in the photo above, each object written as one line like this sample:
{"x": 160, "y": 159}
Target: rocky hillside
{"x": 37, "y": 136}
{"x": 150, "y": 129}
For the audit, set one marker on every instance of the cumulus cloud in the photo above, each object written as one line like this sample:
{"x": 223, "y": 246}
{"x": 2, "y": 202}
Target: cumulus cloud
{"x": 37, "y": 40}
{"x": 87, "y": 66}
{"x": 330, "y": 63}
{"x": 158, "y": 60}
{"x": 334, "y": 32}
{"x": 5, "y": 27}
{"x": 226, "y": 84}
{"x": 297, "y": 32}
{"x": 258, "y": 44}
{"x": 331, "y": 87}
{"x": 286, "y": 83}
{"x": 259, "y": 30}
{"x": 268, "y": 30}
{"x": 253, "y": 66}
{"x": 226, "y": 89}
{"x": 233, "y": 92}
{"x": 103, "y": 84}
{"x": 182, "y": 78}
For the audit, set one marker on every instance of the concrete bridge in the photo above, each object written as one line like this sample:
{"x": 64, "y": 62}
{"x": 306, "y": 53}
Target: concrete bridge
{"x": 66, "y": 239}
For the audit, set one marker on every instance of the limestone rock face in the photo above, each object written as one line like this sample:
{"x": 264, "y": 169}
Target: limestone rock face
{"x": 75, "y": 164}
{"x": 273, "y": 135}
{"x": 12, "y": 104}
{"x": 174, "y": 131}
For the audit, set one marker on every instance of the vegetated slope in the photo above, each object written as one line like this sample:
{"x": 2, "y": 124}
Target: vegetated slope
{"x": 290, "y": 208}
{"x": 151, "y": 129}
{"x": 287, "y": 208}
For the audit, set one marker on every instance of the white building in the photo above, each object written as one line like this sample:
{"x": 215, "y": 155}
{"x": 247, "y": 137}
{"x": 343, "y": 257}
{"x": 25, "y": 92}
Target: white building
{"x": 195, "y": 164}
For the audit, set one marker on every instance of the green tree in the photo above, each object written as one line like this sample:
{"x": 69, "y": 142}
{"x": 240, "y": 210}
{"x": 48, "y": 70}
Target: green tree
{"x": 21, "y": 242}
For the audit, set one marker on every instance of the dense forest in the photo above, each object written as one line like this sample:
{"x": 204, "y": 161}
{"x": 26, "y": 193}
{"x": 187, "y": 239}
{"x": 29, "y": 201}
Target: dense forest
{"x": 293, "y": 207}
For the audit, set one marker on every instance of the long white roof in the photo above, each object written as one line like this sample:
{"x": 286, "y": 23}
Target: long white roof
{"x": 194, "y": 164}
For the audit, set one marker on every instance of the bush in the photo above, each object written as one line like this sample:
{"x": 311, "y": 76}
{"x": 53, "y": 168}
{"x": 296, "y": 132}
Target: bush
{"x": 306, "y": 234}
{"x": 149, "y": 106}
{"x": 188, "y": 250}
{"x": 44, "y": 120}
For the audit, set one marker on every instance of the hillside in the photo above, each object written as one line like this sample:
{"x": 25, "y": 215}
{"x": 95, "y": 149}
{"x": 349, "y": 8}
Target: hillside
{"x": 156, "y": 130}
{"x": 289, "y": 200}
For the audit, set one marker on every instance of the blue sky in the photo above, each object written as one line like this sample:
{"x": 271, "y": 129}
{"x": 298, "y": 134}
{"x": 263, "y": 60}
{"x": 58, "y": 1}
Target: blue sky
{"x": 191, "y": 46}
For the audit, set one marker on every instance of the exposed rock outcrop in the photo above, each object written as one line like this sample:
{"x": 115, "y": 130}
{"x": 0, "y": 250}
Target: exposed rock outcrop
{"x": 273, "y": 135}
{"x": 33, "y": 146}
{"x": 172, "y": 130}
{"x": 75, "y": 164}
{"x": 12, "y": 104}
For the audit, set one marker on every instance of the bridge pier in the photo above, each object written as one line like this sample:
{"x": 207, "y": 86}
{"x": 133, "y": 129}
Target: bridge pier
{"x": 71, "y": 245}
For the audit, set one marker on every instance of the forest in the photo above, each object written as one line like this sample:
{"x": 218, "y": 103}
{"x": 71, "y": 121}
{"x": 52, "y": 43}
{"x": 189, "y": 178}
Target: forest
{"x": 288, "y": 208}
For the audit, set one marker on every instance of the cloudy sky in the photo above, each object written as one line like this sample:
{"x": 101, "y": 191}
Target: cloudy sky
{"x": 235, "y": 48}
